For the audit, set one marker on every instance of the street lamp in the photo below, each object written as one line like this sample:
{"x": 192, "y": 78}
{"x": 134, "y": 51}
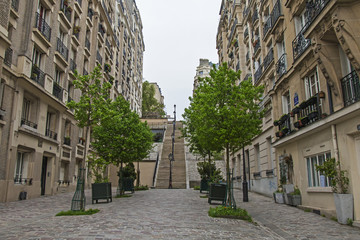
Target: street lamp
{"x": 244, "y": 183}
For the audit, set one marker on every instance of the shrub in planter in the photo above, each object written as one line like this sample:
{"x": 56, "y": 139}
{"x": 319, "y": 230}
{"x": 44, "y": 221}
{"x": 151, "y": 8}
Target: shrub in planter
{"x": 279, "y": 195}
{"x": 101, "y": 188}
{"x": 294, "y": 198}
{"x": 344, "y": 202}
{"x": 276, "y": 123}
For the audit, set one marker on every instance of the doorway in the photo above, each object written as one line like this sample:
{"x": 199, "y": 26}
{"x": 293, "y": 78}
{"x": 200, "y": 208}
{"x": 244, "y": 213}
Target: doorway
{"x": 43, "y": 175}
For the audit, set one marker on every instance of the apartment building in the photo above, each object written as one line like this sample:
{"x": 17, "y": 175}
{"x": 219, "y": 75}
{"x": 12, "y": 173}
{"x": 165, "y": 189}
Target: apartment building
{"x": 202, "y": 71}
{"x": 306, "y": 55}
{"x": 43, "y": 43}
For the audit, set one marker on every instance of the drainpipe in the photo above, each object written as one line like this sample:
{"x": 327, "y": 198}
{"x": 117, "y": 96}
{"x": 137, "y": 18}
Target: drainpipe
{"x": 331, "y": 105}
{"x": 335, "y": 144}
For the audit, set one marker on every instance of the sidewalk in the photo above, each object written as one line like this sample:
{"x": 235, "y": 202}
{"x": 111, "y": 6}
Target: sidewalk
{"x": 289, "y": 222}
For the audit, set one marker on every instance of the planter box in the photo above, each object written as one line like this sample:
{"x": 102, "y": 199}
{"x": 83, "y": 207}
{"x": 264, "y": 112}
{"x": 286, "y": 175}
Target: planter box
{"x": 217, "y": 192}
{"x": 288, "y": 188}
{"x": 101, "y": 191}
{"x": 204, "y": 185}
{"x": 279, "y": 197}
{"x": 344, "y": 204}
{"x": 294, "y": 200}
{"x": 128, "y": 185}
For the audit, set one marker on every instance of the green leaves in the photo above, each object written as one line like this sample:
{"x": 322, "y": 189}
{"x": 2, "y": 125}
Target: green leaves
{"x": 150, "y": 106}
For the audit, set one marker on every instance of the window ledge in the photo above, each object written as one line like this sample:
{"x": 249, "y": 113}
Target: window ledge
{"x": 319, "y": 190}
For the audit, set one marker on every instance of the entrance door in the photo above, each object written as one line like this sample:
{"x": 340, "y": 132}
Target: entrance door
{"x": 43, "y": 175}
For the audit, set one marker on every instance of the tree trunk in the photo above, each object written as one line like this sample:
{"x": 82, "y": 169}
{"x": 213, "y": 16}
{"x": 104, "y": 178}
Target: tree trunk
{"x": 228, "y": 198}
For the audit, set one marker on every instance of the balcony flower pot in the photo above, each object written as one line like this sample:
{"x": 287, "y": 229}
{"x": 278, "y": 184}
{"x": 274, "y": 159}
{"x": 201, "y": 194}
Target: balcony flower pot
{"x": 276, "y": 123}
{"x": 279, "y": 134}
{"x": 284, "y": 118}
{"x": 304, "y": 120}
{"x": 101, "y": 191}
{"x": 298, "y": 124}
{"x": 217, "y": 192}
{"x": 296, "y": 110}
{"x": 285, "y": 130}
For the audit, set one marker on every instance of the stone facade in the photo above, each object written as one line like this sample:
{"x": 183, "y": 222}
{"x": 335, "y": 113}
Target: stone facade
{"x": 306, "y": 55}
{"x": 41, "y": 46}
{"x": 202, "y": 71}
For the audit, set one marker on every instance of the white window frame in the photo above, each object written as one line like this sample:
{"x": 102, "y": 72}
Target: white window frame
{"x": 313, "y": 176}
{"x": 309, "y": 85}
{"x": 58, "y": 76}
{"x": 37, "y": 55}
{"x": 21, "y": 167}
{"x": 286, "y": 102}
{"x": 300, "y": 22}
{"x": 26, "y": 109}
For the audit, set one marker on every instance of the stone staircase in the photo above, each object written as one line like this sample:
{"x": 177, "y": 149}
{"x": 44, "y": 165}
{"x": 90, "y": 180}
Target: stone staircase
{"x": 178, "y": 169}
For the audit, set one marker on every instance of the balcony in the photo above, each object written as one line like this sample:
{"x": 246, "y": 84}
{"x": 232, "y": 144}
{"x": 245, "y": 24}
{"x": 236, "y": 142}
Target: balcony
{"x": 246, "y": 12}
{"x": 101, "y": 30}
{"x": 98, "y": 57}
{"x": 247, "y": 76}
{"x": 57, "y": 91}
{"x": 256, "y": 45}
{"x": 90, "y": 13}
{"x": 255, "y": 17}
{"x": 72, "y": 65}
{"x": 300, "y": 44}
{"x": 267, "y": 26}
{"x": 51, "y": 134}
{"x": 268, "y": 59}
{"x": 247, "y": 57}
{"x": 28, "y": 123}
{"x": 276, "y": 12}
{"x": 258, "y": 74}
{"x": 284, "y": 125}
{"x": 87, "y": 43}
{"x": 79, "y": 2}
{"x": 281, "y": 66}
{"x": 15, "y": 5}
{"x": 37, "y": 75}
{"x": 107, "y": 44}
{"x": 43, "y": 27}
{"x": 8, "y": 57}
{"x": 62, "y": 49}
{"x": 313, "y": 9}
{"x": 67, "y": 141}
{"x": 351, "y": 88}
{"x": 66, "y": 9}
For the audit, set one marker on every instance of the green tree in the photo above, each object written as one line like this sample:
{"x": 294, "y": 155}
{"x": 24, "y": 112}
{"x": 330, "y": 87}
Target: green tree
{"x": 95, "y": 95}
{"x": 228, "y": 114}
{"x": 121, "y": 137}
{"x": 150, "y": 106}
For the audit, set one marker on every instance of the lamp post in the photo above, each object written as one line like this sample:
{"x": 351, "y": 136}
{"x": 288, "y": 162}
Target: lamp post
{"x": 171, "y": 155}
{"x": 244, "y": 183}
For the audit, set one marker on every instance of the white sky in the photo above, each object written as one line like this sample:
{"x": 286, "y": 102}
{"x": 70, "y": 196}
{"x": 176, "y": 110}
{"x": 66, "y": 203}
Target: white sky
{"x": 177, "y": 33}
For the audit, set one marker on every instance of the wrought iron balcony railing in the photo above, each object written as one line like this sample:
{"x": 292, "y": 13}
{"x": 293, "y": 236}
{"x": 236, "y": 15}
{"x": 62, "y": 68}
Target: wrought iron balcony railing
{"x": 79, "y": 1}
{"x": 67, "y": 141}
{"x": 90, "y": 13}
{"x": 15, "y": 5}
{"x": 246, "y": 33}
{"x": 51, "y": 134}
{"x": 37, "y": 75}
{"x": 313, "y": 9}
{"x": 267, "y": 26}
{"x": 300, "y": 44}
{"x": 258, "y": 74}
{"x": 72, "y": 65}
{"x": 256, "y": 45}
{"x": 25, "y": 181}
{"x": 57, "y": 91}
{"x": 98, "y": 57}
{"x": 246, "y": 12}
{"x": 255, "y": 16}
{"x": 247, "y": 56}
{"x": 101, "y": 30}
{"x": 87, "y": 43}
{"x": 28, "y": 123}
{"x": 62, "y": 49}
{"x": 268, "y": 59}
{"x": 107, "y": 44}
{"x": 42, "y": 26}
{"x": 8, "y": 57}
{"x": 66, "y": 10}
{"x": 276, "y": 12}
{"x": 280, "y": 66}
{"x": 351, "y": 88}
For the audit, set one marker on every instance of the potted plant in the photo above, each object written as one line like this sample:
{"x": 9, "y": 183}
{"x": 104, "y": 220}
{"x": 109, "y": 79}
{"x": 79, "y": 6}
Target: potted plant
{"x": 76, "y": 29}
{"x": 285, "y": 130}
{"x": 276, "y": 123}
{"x": 127, "y": 177}
{"x": 304, "y": 120}
{"x": 107, "y": 68}
{"x": 279, "y": 195}
{"x": 294, "y": 197}
{"x": 344, "y": 202}
{"x": 101, "y": 188}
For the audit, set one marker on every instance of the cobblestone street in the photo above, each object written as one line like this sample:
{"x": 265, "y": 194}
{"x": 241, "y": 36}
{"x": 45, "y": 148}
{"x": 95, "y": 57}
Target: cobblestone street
{"x": 163, "y": 214}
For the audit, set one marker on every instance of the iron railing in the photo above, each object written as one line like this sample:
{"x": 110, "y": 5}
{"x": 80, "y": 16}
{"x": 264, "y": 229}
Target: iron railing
{"x": 300, "y": 44}
{"x": 351, "y": 88}
{"x": 8, "y": 57}
{"x": 255, "y": 16}
{"x": 62, "y": 49}
{"x": 57, "y": 91}
{"x": 246, "y": 12}
{"x": 98, "y": 57}
{"x": 276, "y": 12}
{"x": 313, "y": 9}
{"x": 15, "y": 5}
{"x": 87, "y": 43}
{"x": 79, "y": 2}
{"x": 257, "y": 46}
{"x": 101, "y": 30}
{"x": 37, "y": 75}
{"x": 268, "y": 59}
{"x": 50, "y": 134}
{"x": 90, "y": 13}
{"x": 281, "y": 66}
{"x": 28, "y": 123}
{"x": 267, "y": 26}
{"x": 42, "y": 26}
{"x": 107, "y": 44}
{"x": 258, "y": 74}
{"x": 246, "y": 33}
{"x": 72, "y": 65}
{"x": 247, "y": 56}
{"x": 66, "y": 10}
{"x": 20, "y": 180}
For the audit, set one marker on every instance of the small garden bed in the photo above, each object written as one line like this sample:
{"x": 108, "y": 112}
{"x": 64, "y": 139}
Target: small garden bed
{"x": 123, "y": 196}
{"x": 77, "y": 213}
{"x": 228, "y": 212}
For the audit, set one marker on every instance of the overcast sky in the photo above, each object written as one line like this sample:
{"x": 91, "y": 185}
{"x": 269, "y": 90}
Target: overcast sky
{"x": 177, "y": 34}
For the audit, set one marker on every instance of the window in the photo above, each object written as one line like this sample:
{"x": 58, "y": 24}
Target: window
{"x": 21, "y": 167}
{"x": 286, "y": 103}
{"x": 312, "y": 85}
{"x": 257, "y": 157}
{"x": 300, "y": 22}
{"x": 314, "y": 177}
{"x": 37, "y": 57}
{"x": 58, "y": 75}
{"x": 26, "y": 109}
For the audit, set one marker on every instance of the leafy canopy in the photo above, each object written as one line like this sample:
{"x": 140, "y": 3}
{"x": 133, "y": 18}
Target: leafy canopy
{"x": 150, "y": 106}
